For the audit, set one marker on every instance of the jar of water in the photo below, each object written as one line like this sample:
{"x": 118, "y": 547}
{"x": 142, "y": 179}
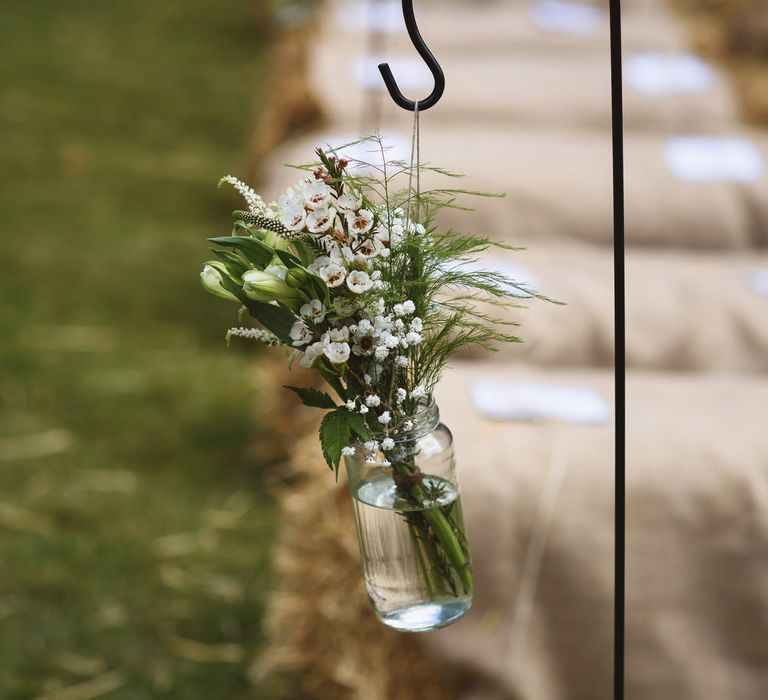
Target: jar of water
{"x": 410, "y": 528}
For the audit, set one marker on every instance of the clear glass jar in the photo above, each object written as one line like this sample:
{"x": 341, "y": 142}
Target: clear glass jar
{"x": 410, "y": 528}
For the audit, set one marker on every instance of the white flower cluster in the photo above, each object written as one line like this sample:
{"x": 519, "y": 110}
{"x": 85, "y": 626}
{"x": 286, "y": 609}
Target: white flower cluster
{"x": 254, "y": 201}
{"x": 256, "y": 334}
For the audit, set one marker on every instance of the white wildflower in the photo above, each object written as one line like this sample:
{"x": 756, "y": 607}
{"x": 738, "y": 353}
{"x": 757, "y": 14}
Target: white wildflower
{"x": 319, "y": 263}
{"x": 311, "y": 353}
{"x": 367, "y": 378}
{"x": 337, "y": 353}
{"x": 381, "y": 352}
{"x": 363, "y": 409}
{"x": 317, "y": 195}
{"x": 360, "y": 222}
{"x": 372, "y": 401}
{"x": 256, "y": 334}
{"x": 413, "y": 338}
{"x": 408, "y": 307}
{"x": 387, "y": 444}
{"x": 401, "y": 361}
{"x": 401, "y": 395}
{"x": 385, "y": 418}
{"x": 418, "y": 392}
{"x": 416, "y": 325}
{"x": 351, "y": 405}
{"x": 347, "y": 451}
{"x": 301, "y": 334}
{"x": 255, "y": 203}
{"x": 359, "y": 282}
{"x": 408, "y": 425}
{"x": 320, "y": 220}
{"x": 349, "y": 202}
{"x": 314, "y": 310}
{"x": 371, "y": 445}
{"x": 332, "y": 275}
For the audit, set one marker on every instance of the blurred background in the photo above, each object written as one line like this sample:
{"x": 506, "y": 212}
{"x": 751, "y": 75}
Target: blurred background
{"x": 146, "y": 472}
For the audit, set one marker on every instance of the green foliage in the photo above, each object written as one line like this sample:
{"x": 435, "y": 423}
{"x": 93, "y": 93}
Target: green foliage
{"x": 312, "y": 397}
{"x": 335, "y": 435}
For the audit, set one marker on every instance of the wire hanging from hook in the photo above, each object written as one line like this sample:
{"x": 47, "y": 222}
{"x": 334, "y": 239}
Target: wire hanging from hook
{"x": 434, "y": 67}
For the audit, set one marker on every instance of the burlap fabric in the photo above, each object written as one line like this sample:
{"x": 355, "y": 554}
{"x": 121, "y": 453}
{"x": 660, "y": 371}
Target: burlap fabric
{"x": 684, "y": 310}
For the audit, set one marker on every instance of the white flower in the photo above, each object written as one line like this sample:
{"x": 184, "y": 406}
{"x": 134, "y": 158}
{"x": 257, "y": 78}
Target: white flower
{"x": 317, "y": 195}
{"x": 337, "y": 353}
{"x": 277, "y": 271}
{"x": 408, "y": 425}
{"x": 384, "y": 252}
{"x": 364, "y": 327}
{"x": 371, "y": 445}
{"x": 360, "y": 222}
{"x": 367, "y": 378}
{"x": 359, "y": 282}
{"x": 314, "y": 310}
{"x": 293, "y": 219}
{"x": 401, "y": 361}
{"x": 211, "y": 277}
{"x": 401, "y": 395}
{"x": 351, "y": 405}
{"x": 408, "y": 307}
{"x": 337, "y": 335}
{"x": 320, "y": 220}
{"x": 332, "y": 275}
{"x": 413, "y": 338}
{"x": 384, "y": 418}
{"x": 398, "y": 309}
{"x": 347, "y": 451}
{"x": 416, "y": 325}
{"x": 301, "y": 334}
{"x": 381, "y": 352}
{"x": 350, "y": 202}
{"x": 387, "y": 444}
{"x": 369, "y": 248}
{"x": 319, "y": 263}
{"x": 391, "y": 341}
{"x": 363, "y": 409}
{"x": 372, "y": 401}
{"x": 418, "y": 392}
{"x": 311, "y": 354}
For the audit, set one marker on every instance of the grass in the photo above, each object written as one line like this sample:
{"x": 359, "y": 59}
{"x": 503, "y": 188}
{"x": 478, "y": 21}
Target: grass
{"x": 133, "y": 520}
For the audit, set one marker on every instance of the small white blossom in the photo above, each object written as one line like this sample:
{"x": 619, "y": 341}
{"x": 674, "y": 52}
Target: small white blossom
{"x": 351, "y": 405}
{"x": 367, "y": 378}
{"x": 408, "y": 425}
{"x": 413, "y": 338}
{"x": 385, "y": 418}
{"x": 360, "y": 222}
{"x": 416, "y": 324}
{"x": 320, "y": 220}
{"x": 371, "y": 445}
{"x": 332, "y": 275}
{"x": 349, "y": 202}
{"x": 387, "y": 444}
{"x": 293, "y": 218}
{"x": 317, "y": 195}
{"x": 363, "y": 409}
{"x": 401, "y": 395}
{"x": 401, "y": 361}
{"x": 418, "y": 392}
{"x": 319, "y": 263}
{"x": 347, "y": 451}
{"x": 301, "y": 334}
{"x": 337, "y": 353}
{"x": 311, "y": 354}
{"x": 381, "y": 352}
{"x": 372, "y": 401}
{"x": 359, "y": 282}
{"x": 255, "y": 203}
{"x": 314, "y": 310}
{"x": 408, "y": 307}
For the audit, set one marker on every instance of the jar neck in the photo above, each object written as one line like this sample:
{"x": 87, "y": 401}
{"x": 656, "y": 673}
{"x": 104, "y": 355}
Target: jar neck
{"x": 425, "y": 420}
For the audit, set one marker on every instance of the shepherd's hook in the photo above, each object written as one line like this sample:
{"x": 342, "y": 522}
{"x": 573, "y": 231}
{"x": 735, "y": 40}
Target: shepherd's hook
{"x": 437, "y": 72}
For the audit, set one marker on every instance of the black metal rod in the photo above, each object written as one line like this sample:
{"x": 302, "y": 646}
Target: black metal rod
{"x": 617, "y": 124}
{"x": 437, "y": 72}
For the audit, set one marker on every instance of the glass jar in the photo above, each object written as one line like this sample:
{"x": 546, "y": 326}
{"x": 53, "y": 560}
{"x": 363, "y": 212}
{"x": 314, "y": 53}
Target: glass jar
{"x": 410, "y": 528}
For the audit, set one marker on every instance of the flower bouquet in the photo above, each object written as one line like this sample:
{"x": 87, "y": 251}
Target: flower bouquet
{"x": 348, "y": 272}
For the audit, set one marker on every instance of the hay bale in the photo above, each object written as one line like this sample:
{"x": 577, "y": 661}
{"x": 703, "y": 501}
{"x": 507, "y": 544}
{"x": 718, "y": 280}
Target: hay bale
{"x": 322, "y": 639}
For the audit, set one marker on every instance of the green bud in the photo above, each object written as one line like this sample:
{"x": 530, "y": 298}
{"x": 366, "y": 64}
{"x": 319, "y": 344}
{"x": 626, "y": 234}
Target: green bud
{"x": 264, "y": 286}
{"x": 296, "y": 277}
{"x": 210, "y": 278}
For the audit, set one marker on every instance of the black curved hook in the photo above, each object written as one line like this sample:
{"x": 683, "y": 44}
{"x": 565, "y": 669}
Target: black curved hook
{"x": 429, "y": 59}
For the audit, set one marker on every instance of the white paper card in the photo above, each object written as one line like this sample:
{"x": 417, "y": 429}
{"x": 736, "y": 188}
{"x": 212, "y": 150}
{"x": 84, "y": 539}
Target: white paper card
{"x": 567, "y": 17}
{"x": 383, "y": 16}
{"x": 410, "y": 73}
{"x": 500, "y": 400}
{"x": 711, "y": 159}
{"x": 661, "y": 75}
{"x": 758, "y": 282}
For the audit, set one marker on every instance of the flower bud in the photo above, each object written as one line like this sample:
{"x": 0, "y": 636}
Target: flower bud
{"x": 343, "y": 162}
{"x": 264, "y": 286}
{"x": 210, "y": 278}
{"x": 296, "y": 278}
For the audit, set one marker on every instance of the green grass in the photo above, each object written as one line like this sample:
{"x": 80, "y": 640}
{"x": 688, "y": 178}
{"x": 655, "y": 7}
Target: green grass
{"x": 133, "y": 520}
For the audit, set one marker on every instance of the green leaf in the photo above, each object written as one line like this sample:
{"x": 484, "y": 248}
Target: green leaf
{"x": 273, "y": 318}
{"x": 288, "y": 260}
{"x": 312, "y": 397}
{"x": 235, "y": 264}
{"x": 357, "y": 425}
{"x": 258, "y": 253}
{"x": 335, "y": 435}
{"x": 302, "y": 250}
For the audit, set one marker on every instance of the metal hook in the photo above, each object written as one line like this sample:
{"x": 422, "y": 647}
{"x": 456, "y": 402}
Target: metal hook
{"x": 429, "y": 59}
